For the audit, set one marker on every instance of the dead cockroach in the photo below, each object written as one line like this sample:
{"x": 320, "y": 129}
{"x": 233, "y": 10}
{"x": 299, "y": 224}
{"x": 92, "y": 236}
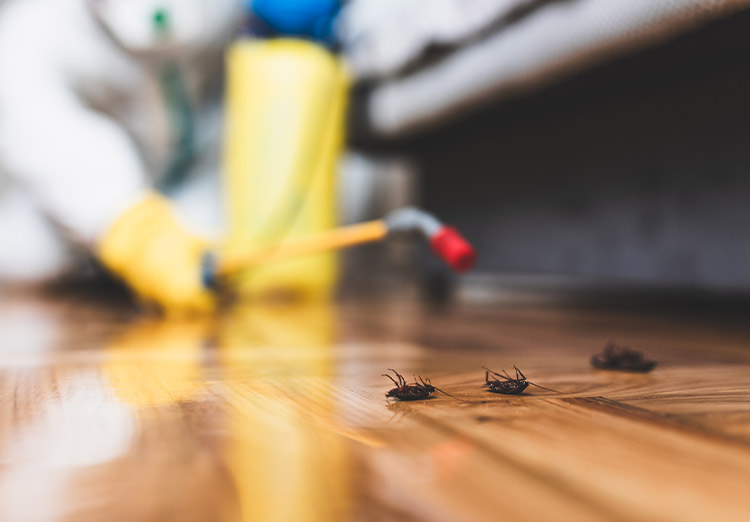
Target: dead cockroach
{"x": 418, "y": 391}
{"x": 615, "y": 357}
{"x": 509, "y": 385}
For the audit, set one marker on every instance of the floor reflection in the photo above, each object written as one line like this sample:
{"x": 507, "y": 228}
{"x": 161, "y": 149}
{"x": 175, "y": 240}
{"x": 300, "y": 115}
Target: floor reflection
{"x": 216, "y": 420}
{"x": 60, "y": 423}
{"x": 287, "y": 463}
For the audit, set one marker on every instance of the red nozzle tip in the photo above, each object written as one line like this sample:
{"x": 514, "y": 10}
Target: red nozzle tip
{"x": 454, "y": 249}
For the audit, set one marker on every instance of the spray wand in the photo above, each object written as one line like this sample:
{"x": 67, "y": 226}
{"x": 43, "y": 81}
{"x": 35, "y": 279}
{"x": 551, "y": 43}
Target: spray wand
{"x": 445, "y": 241}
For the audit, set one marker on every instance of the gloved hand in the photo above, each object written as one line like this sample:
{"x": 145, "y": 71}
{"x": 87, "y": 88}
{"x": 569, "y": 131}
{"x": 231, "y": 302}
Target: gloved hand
{"x": 161, "y": 261}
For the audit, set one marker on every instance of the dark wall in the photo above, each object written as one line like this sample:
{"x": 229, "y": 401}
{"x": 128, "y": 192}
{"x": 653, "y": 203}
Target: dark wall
{"x": 638, "y": 169}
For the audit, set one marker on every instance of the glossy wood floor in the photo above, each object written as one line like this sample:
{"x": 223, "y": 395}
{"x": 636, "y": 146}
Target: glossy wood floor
{"x": 278, "y": 414}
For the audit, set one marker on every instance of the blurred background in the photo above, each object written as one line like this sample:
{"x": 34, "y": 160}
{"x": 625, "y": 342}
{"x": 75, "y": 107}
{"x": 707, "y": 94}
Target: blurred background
{"x": 580, "y": 142}
{"x": 576, "y": 143}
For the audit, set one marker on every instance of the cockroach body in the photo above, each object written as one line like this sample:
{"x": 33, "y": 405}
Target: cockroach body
{"x": 509, "y": 385}
{"x": 615, "y": 357}
{"x": 420, "y": 390}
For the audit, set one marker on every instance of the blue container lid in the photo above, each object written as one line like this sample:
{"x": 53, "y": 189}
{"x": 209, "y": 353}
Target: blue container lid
{"x": 305, "y": 18}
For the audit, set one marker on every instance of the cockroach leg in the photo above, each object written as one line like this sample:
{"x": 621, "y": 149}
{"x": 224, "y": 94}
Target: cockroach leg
{"x": 509, "y": 385}
{"x": 391, "y": 378}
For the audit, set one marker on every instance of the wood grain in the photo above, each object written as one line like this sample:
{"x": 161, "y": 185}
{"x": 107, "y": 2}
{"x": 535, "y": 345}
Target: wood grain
{"x": 278, "y": 414}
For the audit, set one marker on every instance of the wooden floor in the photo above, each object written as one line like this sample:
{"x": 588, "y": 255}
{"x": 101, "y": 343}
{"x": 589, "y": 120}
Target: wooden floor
{"x": 278, "y": 414}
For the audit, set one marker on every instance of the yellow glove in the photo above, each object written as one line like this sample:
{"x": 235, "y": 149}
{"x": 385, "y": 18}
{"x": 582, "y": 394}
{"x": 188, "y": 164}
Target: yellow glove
{"x": 157, "y": 257}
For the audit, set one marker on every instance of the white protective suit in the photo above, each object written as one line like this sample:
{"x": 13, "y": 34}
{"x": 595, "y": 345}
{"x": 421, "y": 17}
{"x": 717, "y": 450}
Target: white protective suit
{"x": 98, "y": 100}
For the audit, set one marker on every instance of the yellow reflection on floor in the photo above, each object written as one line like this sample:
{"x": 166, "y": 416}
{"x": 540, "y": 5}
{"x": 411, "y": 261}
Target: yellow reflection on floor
{"x": 287, "y": 464}
{"x": 158, "y": 362}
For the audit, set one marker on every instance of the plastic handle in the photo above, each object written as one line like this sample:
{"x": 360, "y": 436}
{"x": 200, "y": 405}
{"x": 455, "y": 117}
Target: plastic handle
{"x": 208, "y": 271}
{"x": 454, "y": 249}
